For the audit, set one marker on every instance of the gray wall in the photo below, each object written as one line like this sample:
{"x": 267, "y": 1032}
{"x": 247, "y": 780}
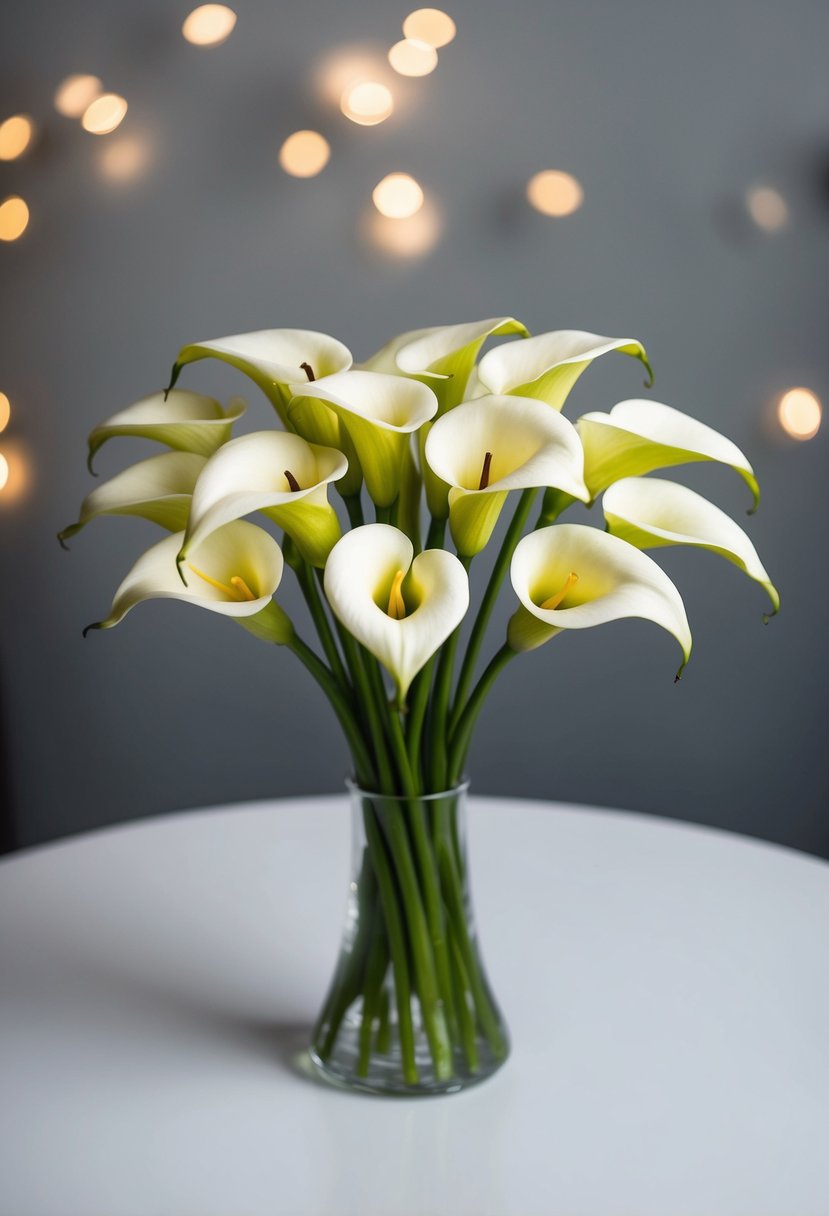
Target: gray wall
{"x": 666, "y": 113}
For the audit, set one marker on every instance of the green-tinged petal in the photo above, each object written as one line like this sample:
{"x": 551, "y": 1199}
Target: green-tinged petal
{"x": 362, "y": 571}
{"x": 648, "y": 512}
{"x": 186, "y": 422}
{"x": 254, "y": 473}
{"x": 235, "y": 571}
{"x": 157, "y": 489}
{"x": 379, "y": 413}
{"x": 485, "y": 448}
{"x": 274, "y": 359}
{"x": 637, "y": 437}
{"x": 548, "y": 365}
{"x": 587, "y": 578}
{"x": 317, "y": 423}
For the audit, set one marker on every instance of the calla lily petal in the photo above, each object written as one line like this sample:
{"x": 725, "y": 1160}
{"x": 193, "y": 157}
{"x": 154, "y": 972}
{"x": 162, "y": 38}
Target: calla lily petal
{"x": 187, "y": 422}
{"x": 378, "y": 412}
{"x": 648, "y": 512}
{"x": 158, "y": 489}
{"x": 639, "y": 436}
{"x": 236, "y": 571}
{"x": 487, "y": 447}
{"x": 254, "y": 473}
{"x": 431, "y": 596}
{"x": 588, "y": 577}
{"x": 548, "y": 365}
{"x": 274, "y": 359}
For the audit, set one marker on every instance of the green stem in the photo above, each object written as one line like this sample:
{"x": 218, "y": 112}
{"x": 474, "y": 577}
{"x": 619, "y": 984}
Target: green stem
{"x": 462, "y": 733}
{"x": 376, "y": 964}
{"x": 438, "y": 725}
{"x": 346, "y": 986}
{"x": 466, "y": 1021}
{"x": 354, "y": 507}
{"x": 385, "y": 515}
{"x": 342, "y": 706}
{"x": 368, "y": 710}
{"x": 418, "y": 701}
{"x": 310, "y": 590}
{"x": 436, "y": 533}
{"x": 476, "y": 637}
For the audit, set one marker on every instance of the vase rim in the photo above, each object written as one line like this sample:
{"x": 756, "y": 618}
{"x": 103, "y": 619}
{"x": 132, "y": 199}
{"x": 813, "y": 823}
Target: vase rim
{"x": 354, "y": 787}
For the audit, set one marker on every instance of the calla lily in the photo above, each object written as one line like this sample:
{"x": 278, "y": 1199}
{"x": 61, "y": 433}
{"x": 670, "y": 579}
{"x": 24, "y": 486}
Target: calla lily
{"x": 548, "y": 365}
{"x": 487, "y": 447}
{"x": 275, "y": 359}
{"x": 573, "y": 577}
{"x": 639, "y": 436}
{"x": 400, "y": 609}
{"x": 442, "y": 357}
{"x": 378, "y": 412}
{"x": 648, "y": 512}
{"x": 235, "y": 571}
{"x": 187, "y": 422}
{"x": 158, "y": 489}
{"x": 278, "y": 474}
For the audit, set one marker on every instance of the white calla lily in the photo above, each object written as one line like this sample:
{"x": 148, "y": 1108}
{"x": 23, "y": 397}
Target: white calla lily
{"x": 570, "y": 576}
{"x": 649, "y": 512}
{"x": 638, "y": 436}
{"x": 548, "y": 365}
{"x": 186, "y": 422}
{"x": 236, "y": 570}
{"x": 158, "y": 489}
{"x": 484, "y": 448}
{"x": 275, "y": 359}
{"x": 400, "y": 607}
{"x": 274, "y": 472}
{"x": 378, "y": 412}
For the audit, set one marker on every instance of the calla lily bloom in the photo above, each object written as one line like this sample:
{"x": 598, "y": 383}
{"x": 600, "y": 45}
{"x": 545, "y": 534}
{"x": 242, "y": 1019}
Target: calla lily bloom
{"x": 573, "y": 577}
{"x": 402, "y": 610}
{"x": 639, "y": 436}
{"x": 274, "y": 472}
{"x": 158, "y": 489}
{"x": 648, "y": 512}
{"x": 378, "y": 412}
{"x": 548, "y": 365}
{"x": 234, "y": 571}
{"x": 275, "y": 359}
{"x": 487, "y": 447}
{"x": 187, "y": 422}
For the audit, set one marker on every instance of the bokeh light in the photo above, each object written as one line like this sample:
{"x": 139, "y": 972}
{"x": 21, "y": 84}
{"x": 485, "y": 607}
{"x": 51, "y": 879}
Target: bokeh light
{"x": 16, "y": 134}
{"x": 15, "y": 472}
{"x": 555, "y": 193}
{"x": 430, "y": 25}
{"x": 209, "y": 24}
{"x": 14, "y": 218}
{"x": 407, "y": 238}
{"x": 767, "y": 208}
{"x": 124, "y": 159}
{"x": 397, "y": 196}
{"x": 5, "y": 411}
{"x": 75, "y": 94}
{"x": 104, "y": 114}
{"x": 411, "y": 57}
{"x": 799, "y": 412}
{"x": 367, "y": 103}
{"x": 304, "y": 154}
{"x": 4, "y": 471}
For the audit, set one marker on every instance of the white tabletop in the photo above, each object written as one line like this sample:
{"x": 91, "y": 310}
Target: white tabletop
{"x": 666, "y": 988}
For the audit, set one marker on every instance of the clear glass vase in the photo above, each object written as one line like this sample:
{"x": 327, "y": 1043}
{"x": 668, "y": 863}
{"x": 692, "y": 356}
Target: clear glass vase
{"x": 409, "y": 1010}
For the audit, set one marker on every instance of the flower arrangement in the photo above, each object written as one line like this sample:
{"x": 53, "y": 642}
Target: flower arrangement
{"x": 426, "y": 418}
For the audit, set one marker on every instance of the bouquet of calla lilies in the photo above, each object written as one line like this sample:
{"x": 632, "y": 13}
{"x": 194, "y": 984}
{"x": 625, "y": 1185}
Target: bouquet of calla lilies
{"x": 432, "y": 438}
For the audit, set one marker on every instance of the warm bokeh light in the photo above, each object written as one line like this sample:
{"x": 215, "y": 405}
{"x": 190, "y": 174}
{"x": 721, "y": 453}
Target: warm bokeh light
{"x": 124, "y": 159}
{"x": 304, "y": 154}
{"x": 15, "y": 136}
{"x": 397, "y": 196}
{"x": 430, "y": 25}
{"x": 14, "y": 218}
{"x": 799, "y": 412}
{"x": 408, "y": 238}
{"x": 555, "y": 193}
{"x": 209, "y": 24}
{"x": 411, "y": 57}
{"x": 75, "y": 94}
{"x": 344, "y": 67}
{"x": 15, "y": 472}
{"x": 367, "y": 103}
{"x": 5, "y": 411}
{"x": 767, "y": 208}
{"x": 4, "y": 471}
{"x": 104, "y": 114}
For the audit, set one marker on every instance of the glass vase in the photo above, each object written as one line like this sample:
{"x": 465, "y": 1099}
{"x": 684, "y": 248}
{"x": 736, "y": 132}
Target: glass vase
{"x": 409, "y": 1010}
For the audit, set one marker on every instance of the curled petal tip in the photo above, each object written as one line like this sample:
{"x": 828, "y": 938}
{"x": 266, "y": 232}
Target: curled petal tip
{"x": 94, "y": 625}
{"x": 180, "y": 559}
{"x": 90, "y": 458}
{"x": 61, "y": 539}
{"x": 174, "y": 375}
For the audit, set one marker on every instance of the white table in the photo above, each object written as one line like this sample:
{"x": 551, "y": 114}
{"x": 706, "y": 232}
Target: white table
{"x": 666, "y": 987}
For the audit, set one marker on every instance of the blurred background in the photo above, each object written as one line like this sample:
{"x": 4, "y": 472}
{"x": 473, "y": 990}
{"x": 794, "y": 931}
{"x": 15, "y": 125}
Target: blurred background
{"x": 158, "y": 203}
